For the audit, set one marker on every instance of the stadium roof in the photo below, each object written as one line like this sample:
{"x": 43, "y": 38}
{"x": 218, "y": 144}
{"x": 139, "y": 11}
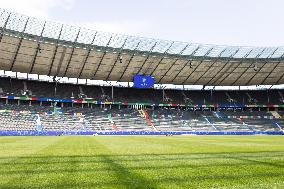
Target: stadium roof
{"x": 30, "y": 45}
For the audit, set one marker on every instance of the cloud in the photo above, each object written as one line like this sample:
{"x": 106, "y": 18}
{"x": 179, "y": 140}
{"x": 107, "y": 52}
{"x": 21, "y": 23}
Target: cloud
{"x": 36, "y": 8}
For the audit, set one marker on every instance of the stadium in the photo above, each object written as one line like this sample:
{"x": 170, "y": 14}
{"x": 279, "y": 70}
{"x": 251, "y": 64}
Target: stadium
{"x": 87, "y": 109}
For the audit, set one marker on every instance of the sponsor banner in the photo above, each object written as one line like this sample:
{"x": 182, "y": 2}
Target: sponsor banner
{"x": 140, "y": 103}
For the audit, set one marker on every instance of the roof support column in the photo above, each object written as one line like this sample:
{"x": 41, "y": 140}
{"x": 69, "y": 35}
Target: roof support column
{"x": 19, "y": 46}
{"x": 4, "y": 27}
{"x": 61, "y": 61}
{"x": 197, "y": 66}
{"x": 188, "y": 62}
{"x": 131, "y": 58}
{"x": 37, "y": 49}
{"x": 101, "y": 60}
{"x": 245, "y": 69}
{"x": 148, "y": 56}
{"x": 256, "y": 72}
{"x": 55, "y": 52}
{"x": 87, "y": 56}
{"x": 210, "y": 66}
{"x": 282, "y": 74}
{"x": 274, "y": 66}
{"x": 118, "y": 56}
{"x": 165, "y": 53}
{"x": 225, "y": 64}
{"x": 72, "y": 52}
{"x": 172, "y": 64}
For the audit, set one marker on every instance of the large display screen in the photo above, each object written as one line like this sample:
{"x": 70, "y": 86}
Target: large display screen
{"x": 143, "y": 82}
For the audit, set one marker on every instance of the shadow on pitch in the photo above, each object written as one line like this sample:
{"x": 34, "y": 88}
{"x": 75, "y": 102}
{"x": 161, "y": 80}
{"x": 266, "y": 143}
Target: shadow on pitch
{"x": 127, "y": 179}
{"x": 57, "y": 159}
{"x": 137, "y": 162}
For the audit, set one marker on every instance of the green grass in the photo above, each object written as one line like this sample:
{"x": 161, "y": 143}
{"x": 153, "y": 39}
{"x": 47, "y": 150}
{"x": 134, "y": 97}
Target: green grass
{"x": 142, "y": 162}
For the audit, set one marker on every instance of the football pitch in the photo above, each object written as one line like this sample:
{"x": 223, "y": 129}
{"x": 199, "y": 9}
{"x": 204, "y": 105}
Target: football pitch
{"x": 142, "y": 162}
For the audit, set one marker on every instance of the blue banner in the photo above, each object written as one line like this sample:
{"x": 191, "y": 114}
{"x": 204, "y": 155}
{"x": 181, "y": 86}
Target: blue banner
{"x": 143, "y": 82}
{"x": 53, "y": 100}
{"x": 94, "y": 133}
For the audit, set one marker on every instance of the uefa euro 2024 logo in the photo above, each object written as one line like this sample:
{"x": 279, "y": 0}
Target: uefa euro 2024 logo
{"x": 144, "y": 82}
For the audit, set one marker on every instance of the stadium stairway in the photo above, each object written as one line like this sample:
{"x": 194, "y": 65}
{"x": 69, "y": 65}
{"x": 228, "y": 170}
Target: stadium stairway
{"x": 276, "y": 114}
{"x": 225, "y": 124}
{"x": 112, "y": 122}
{"x": 145, "y": 114}
{"x": 129, "y": 120}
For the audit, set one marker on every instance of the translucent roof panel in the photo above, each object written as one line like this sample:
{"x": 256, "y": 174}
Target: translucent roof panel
{"x": 267, "y": 52}
{"x": 255, "y": 53}
{"x": 102, "y": 39}
{"x": 216, "y": 51}
{"x": 278, "y": 53}
{"x": 177, "y": 47}
{"x": 3, "y": 17}
{"x": 229, "y": 51}
{"x": 146, "y": 44}
{"x": 203, "y": 50}
{"x": 243, "y": 52}
{"x": 52, "y": 30}
{"x": 86, "y": 36}
{"x": 132, "y": 43}
{"x": 190, "y": 49}
{"x": 35, "y": 26}
{"x": 69, "y": 33}
{"x": 17, "y": 22}
{"x": 1, "y": 11}
{"x": 118, "y": 41}
{"x": 162, "y": 46}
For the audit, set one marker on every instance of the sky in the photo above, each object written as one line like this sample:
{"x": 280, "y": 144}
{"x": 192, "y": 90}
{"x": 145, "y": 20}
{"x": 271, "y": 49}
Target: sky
{"x": 221, "y": 22}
